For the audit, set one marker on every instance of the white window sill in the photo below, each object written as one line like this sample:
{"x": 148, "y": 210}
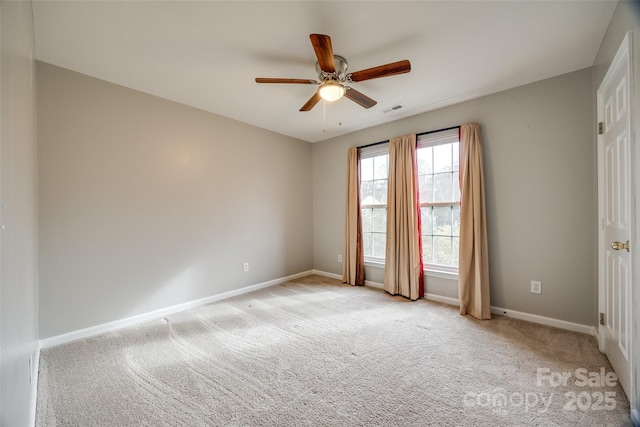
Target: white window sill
{"x": 429, "y": 273}
{"x": 441, "y": 274}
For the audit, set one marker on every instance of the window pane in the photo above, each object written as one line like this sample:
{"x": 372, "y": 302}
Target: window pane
{"x": 380, "y": 192}
{"x": 427, "y": 196}
{"x": 380, "y": 167}
{"x": 442, "y": 220}
{"x": 422, "y": 187}
{"x": 442, "y": 250}
{"x": 438, "y": 174}
{"x": 367, "y": 223}
{"x": 366, "y": 193}
{"x": 456, "y": 156}
{"x": 425, "y": 160}
{"x": 373, "y": 191}
{"x": 380, "y": 220}
{"x": 366, "y": 169}
{"x": 443, "y": 187}
{"x": 427, "y": 249}
{"x": 442, "y": 158}
{"x": 455, "y": 251}
{"x": 456, "y": 221}
{"x": 456, "y": 187}
{"x": 425, "y": 187}
{"x": 426, "y": 220}
{"x": 379, "y": 240}
{"x": 367, "y": 243}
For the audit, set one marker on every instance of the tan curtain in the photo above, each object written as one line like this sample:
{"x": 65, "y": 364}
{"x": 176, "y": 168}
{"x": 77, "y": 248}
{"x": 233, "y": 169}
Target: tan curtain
{"x": 353, "y": 262}
{"x": 403, "y": 262}
{"x": 473, "y": 270}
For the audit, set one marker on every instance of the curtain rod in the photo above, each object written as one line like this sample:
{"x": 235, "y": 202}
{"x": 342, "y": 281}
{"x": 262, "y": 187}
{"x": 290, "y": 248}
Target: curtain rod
{"x": 418, "y": 134}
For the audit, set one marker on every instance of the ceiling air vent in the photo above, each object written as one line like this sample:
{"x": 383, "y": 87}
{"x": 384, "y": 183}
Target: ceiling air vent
{"x": 394, "y": 108}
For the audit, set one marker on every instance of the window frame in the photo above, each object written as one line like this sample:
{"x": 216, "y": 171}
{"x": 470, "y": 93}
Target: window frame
{"x": 449, "y": 136}
{"x": 431, "y": 139}
{"x": 365, "y": 153}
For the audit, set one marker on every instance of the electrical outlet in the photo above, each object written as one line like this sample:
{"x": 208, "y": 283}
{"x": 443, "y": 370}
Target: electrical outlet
{"x": 536, "y": 287}
{"x": 339, "y": 258}
{"x": 245, "y": 267}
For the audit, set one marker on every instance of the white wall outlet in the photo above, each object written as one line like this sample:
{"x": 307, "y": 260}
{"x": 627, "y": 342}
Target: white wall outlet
{"x": 339, "y": 258}
{"x": 536, "y": 287}
{"x": 245, "y": 267}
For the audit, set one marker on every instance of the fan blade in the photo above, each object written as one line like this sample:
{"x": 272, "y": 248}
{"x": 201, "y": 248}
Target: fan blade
{"x": 297, "y": 81}
{"x": 324, "y": 52}
{"x": 311, "y": 102}
{"x": 359, "y": 98}
{"x": 386, "y": 70}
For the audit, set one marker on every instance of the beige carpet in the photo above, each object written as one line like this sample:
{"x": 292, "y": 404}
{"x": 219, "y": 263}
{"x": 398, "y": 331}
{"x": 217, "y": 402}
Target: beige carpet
{"x": 319, "y": 353}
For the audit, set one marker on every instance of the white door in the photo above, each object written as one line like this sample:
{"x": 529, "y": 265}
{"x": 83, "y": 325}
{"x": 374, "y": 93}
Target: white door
{"x": 616, "y": 222}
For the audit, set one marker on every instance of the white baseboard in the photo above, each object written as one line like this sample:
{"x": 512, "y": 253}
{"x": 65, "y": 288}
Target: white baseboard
{"x": 327, "y": 274}
{"x": 542, "y": 320}
{"x": 374, "y": 284}
{"x": 635, "y": 417}
{"x": 534, "y": 318}
{"x": 339, "y": 277}
{"x": 596, "y": 335}
{"x": 440, "y": 298}
{"x": 117, "y": 324}
{"x": 129, "y": 321}
{"x": 35, "y": 368}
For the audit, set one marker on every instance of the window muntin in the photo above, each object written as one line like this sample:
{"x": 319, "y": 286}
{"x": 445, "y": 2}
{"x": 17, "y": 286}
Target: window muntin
{"x": 374, "y": 170}
{"x": 438, "y": 176}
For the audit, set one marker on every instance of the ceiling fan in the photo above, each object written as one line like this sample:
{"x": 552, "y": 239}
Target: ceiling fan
{"x": 332, "y": 72}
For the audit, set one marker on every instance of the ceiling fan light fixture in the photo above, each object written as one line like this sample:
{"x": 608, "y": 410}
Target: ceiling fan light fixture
{"x": 331, "y": 91}
{"x": 332, "y": 75}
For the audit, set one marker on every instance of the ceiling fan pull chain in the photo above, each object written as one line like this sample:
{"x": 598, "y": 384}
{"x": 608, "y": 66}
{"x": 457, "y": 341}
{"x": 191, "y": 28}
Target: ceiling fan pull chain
{"x": 324, "y": 116}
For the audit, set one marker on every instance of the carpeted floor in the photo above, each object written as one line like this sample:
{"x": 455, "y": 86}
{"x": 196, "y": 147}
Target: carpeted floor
{"x": 316, "y": 352}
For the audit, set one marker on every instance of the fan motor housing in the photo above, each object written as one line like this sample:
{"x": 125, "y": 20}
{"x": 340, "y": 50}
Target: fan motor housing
{"x": 341, "y": 68}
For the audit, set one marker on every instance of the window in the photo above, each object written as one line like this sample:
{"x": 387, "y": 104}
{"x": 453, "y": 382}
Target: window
{"x": 374, "y": 169}
{"x": 438, "y": 174}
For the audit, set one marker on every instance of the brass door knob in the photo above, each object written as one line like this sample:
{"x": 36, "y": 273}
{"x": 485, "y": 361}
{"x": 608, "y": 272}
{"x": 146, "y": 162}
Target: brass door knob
{"x": 618, "y": 246}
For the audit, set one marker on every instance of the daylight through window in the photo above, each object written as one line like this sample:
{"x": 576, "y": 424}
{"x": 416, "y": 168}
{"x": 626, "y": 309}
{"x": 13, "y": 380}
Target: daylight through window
{"x": 438, "y": 156}
{"x": 438, "y": 175}
{"x": 374, "y": 169}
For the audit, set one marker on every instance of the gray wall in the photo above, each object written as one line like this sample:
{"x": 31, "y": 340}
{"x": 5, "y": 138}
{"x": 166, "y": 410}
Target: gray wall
{"x": 626, "y": 17}
{"x": 145, "y": 203}
{"x": 540, "y": 189}
{"x": 18, "y": 238}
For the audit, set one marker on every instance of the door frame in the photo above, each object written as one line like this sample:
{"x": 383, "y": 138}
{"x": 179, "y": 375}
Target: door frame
{"x": 625, "y": 50}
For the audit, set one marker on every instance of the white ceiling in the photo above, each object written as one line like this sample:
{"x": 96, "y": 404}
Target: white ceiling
{"x": 207, "y": 53}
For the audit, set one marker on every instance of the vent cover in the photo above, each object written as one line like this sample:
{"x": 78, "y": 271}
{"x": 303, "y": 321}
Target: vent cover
{"x": 394, "y": 108}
